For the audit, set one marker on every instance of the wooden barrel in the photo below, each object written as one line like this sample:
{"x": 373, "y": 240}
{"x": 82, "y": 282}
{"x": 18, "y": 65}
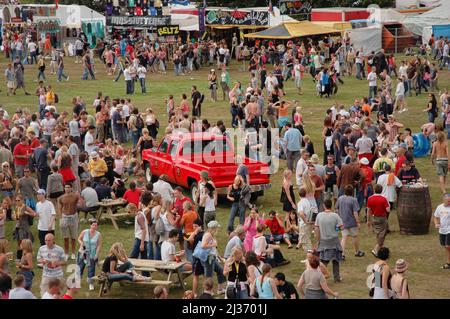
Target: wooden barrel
{"x": 414, "y": 210}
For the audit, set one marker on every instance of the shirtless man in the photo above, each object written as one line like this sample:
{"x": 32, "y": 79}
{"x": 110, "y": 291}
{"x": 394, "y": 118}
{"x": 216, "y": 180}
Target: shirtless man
{"x": 252, "y": 112}
{"x": 67, "y": 204}
{"x": 440, "y": 156}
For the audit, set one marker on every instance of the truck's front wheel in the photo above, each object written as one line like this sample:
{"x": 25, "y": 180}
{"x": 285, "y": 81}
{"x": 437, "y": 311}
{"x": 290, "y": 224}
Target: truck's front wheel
{"x": 148, "y": 173}
{"x": 194, "y": 191}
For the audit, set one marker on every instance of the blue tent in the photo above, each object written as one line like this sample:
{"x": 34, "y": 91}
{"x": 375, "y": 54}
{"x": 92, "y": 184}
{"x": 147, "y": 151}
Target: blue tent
{"x": 441, "y": 30}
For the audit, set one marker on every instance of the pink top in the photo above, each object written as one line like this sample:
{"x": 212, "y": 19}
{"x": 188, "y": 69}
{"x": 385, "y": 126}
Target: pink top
{"x": 250, "y": 229}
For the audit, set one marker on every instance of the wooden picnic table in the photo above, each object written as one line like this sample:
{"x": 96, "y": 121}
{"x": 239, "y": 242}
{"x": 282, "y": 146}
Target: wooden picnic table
{"x": 169, "y": 268}
{"x": 108, "y": 207}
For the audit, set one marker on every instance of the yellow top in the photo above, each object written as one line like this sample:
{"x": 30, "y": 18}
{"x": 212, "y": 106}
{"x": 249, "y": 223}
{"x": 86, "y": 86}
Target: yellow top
{"x": 97, "y": 167}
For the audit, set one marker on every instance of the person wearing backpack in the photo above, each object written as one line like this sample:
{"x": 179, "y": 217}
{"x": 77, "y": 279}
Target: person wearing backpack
{"x": 380, "y": 287}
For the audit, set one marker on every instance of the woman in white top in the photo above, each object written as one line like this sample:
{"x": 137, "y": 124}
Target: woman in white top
{"x": 150, "y": 121}
{"x": 168, "y": 219}
{"x": 154, "y": 248}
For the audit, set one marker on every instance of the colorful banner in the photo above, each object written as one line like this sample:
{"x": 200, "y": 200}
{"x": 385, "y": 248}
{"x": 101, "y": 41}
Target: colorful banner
{"x": 294, "y": 6}
{"x": 201, "y": 20}
{"x": 237, "y": 18}
{"x": 138, "y": 22}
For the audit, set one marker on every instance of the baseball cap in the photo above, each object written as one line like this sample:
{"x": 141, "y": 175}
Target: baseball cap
{"x": 41, "y": 191}
{"x": 364, "y": 161}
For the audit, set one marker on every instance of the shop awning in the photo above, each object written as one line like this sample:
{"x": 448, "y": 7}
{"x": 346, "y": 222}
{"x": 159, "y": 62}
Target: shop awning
{"x": 292, "y": 30}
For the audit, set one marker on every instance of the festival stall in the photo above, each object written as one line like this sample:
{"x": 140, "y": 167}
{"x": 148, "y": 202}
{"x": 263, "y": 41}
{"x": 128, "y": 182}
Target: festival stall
{"x": 292, "y": 30}
{"x": 368, "y": 38}
{"x": 338, "y": 14}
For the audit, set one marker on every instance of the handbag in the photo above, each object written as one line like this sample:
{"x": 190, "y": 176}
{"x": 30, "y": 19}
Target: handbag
{"x": 201, "y": 253}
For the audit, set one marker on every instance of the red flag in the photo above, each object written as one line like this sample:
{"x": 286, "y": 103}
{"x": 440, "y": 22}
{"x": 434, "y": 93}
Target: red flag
{"x": 56, "y": 4}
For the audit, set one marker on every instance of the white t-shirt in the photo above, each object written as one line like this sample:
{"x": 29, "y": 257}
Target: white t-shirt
{"x": 142, "y": 71}
{"x": 389, "y": 192}
{"x": 164, "y": 189}
{"x": 48, "y": 125}
{"x": 32, "y": 47}
{"x": 304, "y": 206}
{"x": 47, "y": 295}
{"x": 372, "y": 78}
{"x": 402, "y": 71}
{"x": 297, "y": 72}
{"x": 45, "y": 210}
{"x": 167, "y": 251}
{"x": 88, "y": 139}
{"x": 443, "y": 213}
{"x": 302, "y": 166}
{"x": 125, "y": 111}
{"x": 127, "y": 74}
{"x": 257, "y": 243}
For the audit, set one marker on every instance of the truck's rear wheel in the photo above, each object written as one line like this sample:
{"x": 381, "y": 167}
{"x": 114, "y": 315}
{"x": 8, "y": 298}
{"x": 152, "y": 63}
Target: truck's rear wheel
{"x": 194, "y": 191}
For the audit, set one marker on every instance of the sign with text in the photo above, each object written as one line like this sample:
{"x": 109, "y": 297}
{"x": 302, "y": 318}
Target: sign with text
{"x": 136, "y": 22}
{"x": 168, "y": 30}
{"x": 237, "y": 18}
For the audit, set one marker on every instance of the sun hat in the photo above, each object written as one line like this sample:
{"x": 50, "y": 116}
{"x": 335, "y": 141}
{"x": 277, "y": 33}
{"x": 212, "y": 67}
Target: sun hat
{"x": 315, "y": 158}
{"x": 41, "y": 191}
{"x": 94, "y": 154}
{"x": 401, "y": 266}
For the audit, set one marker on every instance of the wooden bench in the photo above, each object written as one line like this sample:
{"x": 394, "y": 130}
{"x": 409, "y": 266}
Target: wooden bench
{"x": 105, "y": 286}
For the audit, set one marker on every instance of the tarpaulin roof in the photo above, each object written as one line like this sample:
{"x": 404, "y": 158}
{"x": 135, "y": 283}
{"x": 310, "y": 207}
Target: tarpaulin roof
{"x": 292, "y": 30}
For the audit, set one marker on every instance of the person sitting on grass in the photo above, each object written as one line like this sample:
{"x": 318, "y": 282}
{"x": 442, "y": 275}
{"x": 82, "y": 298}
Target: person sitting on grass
{"x": 268, "y": 253}
{"x": 277, "y": 234}
{"x": 285, "y": 288}
{"x": 160, "y": 292}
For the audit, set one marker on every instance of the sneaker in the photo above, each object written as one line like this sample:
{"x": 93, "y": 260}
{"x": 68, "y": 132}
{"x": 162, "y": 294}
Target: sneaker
{"x": 66, "y": 257}
{"x": 72, "y": 256}
{"x": 343, "y": 257}
{"x": 67, "y": 80}
{"x": 359, "y": 254}
{"x": 374, "y": 253}
{"x": 91, "y": 287}
{"x": 338, "y": 280}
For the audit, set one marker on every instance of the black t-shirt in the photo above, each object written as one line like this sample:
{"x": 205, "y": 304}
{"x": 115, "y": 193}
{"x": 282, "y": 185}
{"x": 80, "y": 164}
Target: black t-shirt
{"x": 287, "y": 290}
{"x": 195, "y": 97}
{"x": 77, "y": 109}
{"x": 106, "y": 268}
{"x": 103, "y": 191}
{"x": 409, "y": 176}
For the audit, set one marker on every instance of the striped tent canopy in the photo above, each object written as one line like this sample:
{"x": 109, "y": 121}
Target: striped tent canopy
{"x": 290, "y": 30}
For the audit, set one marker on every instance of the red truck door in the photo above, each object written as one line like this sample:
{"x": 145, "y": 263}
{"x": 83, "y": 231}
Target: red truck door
{"x": 170, "y": 162}
{"x": 160, "y": 165}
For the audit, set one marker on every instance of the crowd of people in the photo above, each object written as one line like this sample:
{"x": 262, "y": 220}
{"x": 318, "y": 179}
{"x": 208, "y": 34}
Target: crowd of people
{"x": 55, "y": 165}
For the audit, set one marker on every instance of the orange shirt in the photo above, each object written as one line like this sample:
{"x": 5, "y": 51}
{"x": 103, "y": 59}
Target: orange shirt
{"x": 366, "y": 107}
{"x": 188, "y": 221}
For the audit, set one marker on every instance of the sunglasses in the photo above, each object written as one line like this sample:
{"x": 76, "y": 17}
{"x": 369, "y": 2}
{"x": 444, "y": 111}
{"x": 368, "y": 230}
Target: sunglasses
{"x": 18, "y": 200}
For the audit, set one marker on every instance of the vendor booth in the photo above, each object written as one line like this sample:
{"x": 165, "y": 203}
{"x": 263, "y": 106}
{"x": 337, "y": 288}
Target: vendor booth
{"x": 292, "y": 30}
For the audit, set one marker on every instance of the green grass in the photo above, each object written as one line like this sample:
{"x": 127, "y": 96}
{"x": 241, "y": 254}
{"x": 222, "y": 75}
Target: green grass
{"x": 423, "y": 253}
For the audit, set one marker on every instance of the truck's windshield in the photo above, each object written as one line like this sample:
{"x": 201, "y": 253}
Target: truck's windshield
{"x": 163, "y": 146}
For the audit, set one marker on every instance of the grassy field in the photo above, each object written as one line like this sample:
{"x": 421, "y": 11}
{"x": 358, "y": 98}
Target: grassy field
{"x": 423, "y": 253}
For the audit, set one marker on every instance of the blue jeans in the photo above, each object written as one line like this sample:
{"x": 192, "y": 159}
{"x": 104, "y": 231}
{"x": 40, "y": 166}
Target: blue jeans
{"x": 119, "y": 134}
{"x": 32, "y": 58}
{"x": 210, "y": 266}
{"x": 61, "y": 74}
{"x": 123, "y": 275}
{"x": 130, "y": 86}
{"x": 154, "y": 251}
{"x": 135, "y": 136}
{"x": 118, "y": 76}
{"x": 87, "y": 72}
{"x": 143, "y": 88}
{"x": 135, "y": 252}
{"x": 40, "y": 75}
{"x": 90, "y": 264}
{"x": 358, "y": 71}
{"x": 372, "y": 92}
{"x": 177, "y": 69}
{"x": 431, "y": 117}
{"x": 236, "y": 208}
{"x": 447, "y": 126}
{"x": 188, "y": 252}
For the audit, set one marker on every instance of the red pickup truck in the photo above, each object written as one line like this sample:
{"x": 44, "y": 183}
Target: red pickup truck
{"x": 182, "y": 157}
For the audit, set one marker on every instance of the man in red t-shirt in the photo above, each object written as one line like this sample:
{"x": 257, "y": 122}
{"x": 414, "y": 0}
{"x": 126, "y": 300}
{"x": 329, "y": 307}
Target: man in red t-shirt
{"x": 401, "y": 157}
{"x": 34, "y": 141}
{"x": 277, "y": 234}
{"x": 377, "y": 215}
{"x": 21, "y": 153}
{"x": 180, "y": 199}
{"x": 133, "y": 194}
